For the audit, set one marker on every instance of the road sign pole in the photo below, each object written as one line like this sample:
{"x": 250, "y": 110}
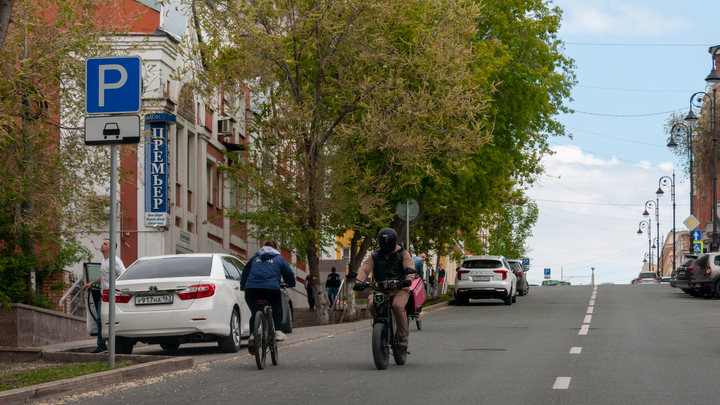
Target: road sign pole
{"x": 407, "y": 223}
{"x": 113, "y": 215}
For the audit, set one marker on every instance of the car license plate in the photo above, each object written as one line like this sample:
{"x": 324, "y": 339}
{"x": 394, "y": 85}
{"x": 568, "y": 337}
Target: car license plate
{"x": 681, "y": 273}
{"x": 481, "y": 278}
{"x": 154, "y": 299}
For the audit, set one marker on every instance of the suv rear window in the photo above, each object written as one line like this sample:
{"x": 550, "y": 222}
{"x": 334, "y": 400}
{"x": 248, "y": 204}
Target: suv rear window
{"x": 170, "y": 267}
{"x": 516, "y": 266}
{"x": 687, "y": 262}
{"x": 482, "y": 264}
{"x": 647, "y": 275}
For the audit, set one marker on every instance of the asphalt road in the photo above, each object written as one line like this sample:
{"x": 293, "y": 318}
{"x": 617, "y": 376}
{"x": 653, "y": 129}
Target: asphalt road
{"x": 633, "y": 344}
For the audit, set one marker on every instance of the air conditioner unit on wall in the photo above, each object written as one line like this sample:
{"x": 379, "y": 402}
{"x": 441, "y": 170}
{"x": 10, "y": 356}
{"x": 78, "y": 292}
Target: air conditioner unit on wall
{"x": 224, "y": 126}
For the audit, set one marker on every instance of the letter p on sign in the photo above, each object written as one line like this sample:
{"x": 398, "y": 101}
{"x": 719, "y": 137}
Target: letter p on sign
{"x": 113, "y": 85}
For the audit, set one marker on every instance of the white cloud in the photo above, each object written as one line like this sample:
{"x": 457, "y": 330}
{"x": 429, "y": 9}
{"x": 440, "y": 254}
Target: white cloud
{"x": 616, "y": 17}
{"x": 590, "y": 209}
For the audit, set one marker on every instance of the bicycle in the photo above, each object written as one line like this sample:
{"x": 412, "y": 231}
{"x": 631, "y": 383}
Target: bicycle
{"x": 384, "y": 335}
{"x": 265, "y": 335}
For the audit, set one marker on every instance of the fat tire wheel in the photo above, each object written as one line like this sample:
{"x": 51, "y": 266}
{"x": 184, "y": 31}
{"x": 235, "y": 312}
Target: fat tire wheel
{"x": 287, "y": 327}
{"x": 123, "y": 345}
{"x": 231, "y": 343}
{"x": 261, "y": 344}
{"x": 399, "y": 355}
{"x": 508, "y": 300}
{"x": 171, "y": 345}
{"x": 380, "y": 346}
{"x": 274, "y": 353}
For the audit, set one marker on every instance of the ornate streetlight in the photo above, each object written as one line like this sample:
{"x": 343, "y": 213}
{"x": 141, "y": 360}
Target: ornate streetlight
{"x": 651, "y": 205}
{"x": 646, "y": 225}
{"x": 672, "y": 145}
{"x": 713, "y": 79}
{"x": 670, "y": 182}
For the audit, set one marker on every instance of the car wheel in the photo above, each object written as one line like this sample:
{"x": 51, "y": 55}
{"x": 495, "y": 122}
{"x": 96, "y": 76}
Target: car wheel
{"x": 171, "y": 345}
{"x": 461, "y": 300}
{"x": 716, "y": 290}
{"x": 123, "y": 345}
{"x": 526, "y": 289}
{"x": 509, "y": 300}
{"x": 514, "y": 299}
{"x": 231, "y": 343}
{"x": 287, "y": 327}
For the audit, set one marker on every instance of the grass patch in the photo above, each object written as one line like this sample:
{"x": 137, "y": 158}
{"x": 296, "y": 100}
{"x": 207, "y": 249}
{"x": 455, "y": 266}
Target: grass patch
{"x": 437, "y": 300}
{"x": 41, "y": 375}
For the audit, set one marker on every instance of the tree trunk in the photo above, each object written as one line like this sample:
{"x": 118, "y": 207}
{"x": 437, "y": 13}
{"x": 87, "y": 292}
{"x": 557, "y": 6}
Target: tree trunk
{"x": 357, "y": 253}
{"x": 321, "y": 306}
{"x": 6, "y": 9}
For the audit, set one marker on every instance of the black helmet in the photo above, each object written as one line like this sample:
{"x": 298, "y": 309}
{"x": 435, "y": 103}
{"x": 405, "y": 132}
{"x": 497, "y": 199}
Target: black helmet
{"x": 387, "y": 239}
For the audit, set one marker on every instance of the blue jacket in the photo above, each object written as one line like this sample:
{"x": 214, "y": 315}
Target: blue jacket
{"x": 265, "y": 270}
{"x": 419, "y": 266}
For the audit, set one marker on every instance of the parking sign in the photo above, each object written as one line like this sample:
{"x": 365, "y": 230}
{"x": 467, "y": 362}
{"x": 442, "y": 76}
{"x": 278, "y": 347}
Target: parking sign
{"x": 113, "y": 85}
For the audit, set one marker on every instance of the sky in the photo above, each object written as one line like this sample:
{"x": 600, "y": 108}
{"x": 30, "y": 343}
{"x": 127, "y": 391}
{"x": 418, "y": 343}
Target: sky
{"x": 636, "y": 61}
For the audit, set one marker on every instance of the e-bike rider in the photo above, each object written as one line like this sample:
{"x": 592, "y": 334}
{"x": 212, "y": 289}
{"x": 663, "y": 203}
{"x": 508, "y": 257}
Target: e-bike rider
{"x": 391, "y": 262}
{"x": 261, "y": 281}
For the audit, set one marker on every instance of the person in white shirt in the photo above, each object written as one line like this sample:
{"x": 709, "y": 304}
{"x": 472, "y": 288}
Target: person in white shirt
{"x": 104, "y": 282}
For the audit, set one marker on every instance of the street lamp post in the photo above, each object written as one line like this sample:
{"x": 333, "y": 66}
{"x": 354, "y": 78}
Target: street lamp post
{"x": 672, "y": 145}
{"x": 651, "y": 205}
{"x": 713, "y": 79}
{"x": 670, "y": 182}
{"x": 656, "y": 248}
{"x": 646, "y": 225}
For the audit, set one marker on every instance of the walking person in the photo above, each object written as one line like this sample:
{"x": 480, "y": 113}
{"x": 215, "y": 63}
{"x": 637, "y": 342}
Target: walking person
{"x": 310, "y": 294}
{"x": 332, "y": 284}
{"x": 104, "y": 282}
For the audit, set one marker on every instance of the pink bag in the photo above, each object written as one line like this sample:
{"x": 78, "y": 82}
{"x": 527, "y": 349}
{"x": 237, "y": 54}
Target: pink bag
{"x": 417, "y": 294}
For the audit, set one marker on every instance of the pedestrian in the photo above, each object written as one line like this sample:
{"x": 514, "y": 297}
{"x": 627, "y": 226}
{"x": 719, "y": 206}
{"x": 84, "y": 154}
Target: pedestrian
{"x": 332, "y": 284}
{"x": 441, "y": 276}
{"x": 310, "y": 294}
{"x": 419, "y": 261}
{"x": 104, "y": 282}
{"x": 431, "y": 280}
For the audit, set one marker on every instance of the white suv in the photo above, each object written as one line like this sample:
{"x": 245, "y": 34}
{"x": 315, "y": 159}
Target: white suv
{"x": 485, "y": 277}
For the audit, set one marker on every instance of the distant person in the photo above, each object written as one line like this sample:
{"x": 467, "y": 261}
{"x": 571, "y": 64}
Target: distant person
{"x": 104, "y": 282}
{"x": 419, "y": 261}
{"x": 441, "y": 275}
{"x": 310, "y": 294}
{"x": 431, "y": 281}
{"x": 332, "y": 284}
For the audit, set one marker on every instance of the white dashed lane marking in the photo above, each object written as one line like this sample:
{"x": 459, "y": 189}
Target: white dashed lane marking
{"x": 575, "y": 350}
{"x": 561, "y": 383}
{"x": 584, "y": 329}
{"x": 592, "y": 302}
{"x": 588, "y": 318}
{"x": 590, "y": 310}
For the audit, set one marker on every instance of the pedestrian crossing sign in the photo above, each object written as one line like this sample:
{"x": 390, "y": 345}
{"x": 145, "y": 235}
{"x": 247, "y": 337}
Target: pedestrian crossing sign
{"x": 697, "y": 247}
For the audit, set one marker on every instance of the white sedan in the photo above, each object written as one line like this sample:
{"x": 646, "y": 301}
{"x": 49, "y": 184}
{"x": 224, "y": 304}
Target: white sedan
{"x": 170, "y": 300}
{"x": 485, "y": 277}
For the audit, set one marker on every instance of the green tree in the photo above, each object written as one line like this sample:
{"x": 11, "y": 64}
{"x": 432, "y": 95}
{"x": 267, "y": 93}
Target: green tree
{"x": 333, "y": 79}
{"x": 48, "y": 180}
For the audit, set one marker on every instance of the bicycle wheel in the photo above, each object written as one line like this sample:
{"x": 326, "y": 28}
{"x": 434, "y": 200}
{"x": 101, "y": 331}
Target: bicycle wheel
{"x": 272, "y": 343}
{"x": 400, "y": 355}
{"x": 261, "y": 340}
{"x": 380, "y": 346}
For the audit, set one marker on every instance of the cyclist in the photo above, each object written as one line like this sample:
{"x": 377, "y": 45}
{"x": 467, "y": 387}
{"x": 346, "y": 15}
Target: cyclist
{"x": 261, "y": 281}
{"x": 391, "y": 262}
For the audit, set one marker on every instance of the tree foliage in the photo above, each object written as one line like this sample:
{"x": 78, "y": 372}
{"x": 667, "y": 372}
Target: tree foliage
{"x": 49, "y": 180}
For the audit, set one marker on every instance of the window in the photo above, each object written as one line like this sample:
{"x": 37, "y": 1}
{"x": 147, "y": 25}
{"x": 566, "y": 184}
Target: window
{"x": 190, "y": 161}
{"x": 218, "y": 200}
{"x": 231, "y": 272}
{"x": 482, "y": 264}
{"x": 168, "y": 268}
{"x": 210, "y": 174}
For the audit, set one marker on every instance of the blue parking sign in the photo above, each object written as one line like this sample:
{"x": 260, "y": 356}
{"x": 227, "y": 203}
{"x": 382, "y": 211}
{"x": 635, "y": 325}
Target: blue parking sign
{"x": 113, "y": 85}
{"x": 547, "y": 272}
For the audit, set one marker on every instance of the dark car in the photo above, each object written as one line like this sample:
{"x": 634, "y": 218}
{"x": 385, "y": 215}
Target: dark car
{"x": 684, "y": 274}
{"x": 523, "y": 288}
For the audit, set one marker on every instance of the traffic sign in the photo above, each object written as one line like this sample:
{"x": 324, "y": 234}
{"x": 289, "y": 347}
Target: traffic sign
{"x": 697, "y": 234}
{"x": 412, "y": 208}
{"x": 525, "y": 261}
{"x": 547, "y": 272}
{"x": 113, "y": 85}
{"x": 697, "y": 247}
{"x": 691, "y": 222}
{"x": 112, "y": 130}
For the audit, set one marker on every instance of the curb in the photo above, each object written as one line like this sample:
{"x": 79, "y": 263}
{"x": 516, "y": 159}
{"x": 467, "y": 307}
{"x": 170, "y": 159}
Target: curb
{"x": 84, "y": 383}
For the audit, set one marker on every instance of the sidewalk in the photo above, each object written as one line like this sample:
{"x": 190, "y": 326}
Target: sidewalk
{"x": 154, "y": 360}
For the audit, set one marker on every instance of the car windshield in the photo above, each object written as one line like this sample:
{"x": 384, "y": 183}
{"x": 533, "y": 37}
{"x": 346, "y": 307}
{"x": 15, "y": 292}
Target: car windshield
{"x": 482, "y": 264}
{"x": 687, "y": 263}
{"x": 515, "y": 266}
{"x": 170, "y": 267}
{"x": 647, "y": 275}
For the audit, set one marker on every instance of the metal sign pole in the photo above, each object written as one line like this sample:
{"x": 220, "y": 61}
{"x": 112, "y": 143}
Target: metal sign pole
{"x": 113, "y": 214}
{"x": 407, "y": 223}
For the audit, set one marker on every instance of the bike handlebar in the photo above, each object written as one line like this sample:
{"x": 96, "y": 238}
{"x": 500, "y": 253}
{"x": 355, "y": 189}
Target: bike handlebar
{"x": 383, "y": 286}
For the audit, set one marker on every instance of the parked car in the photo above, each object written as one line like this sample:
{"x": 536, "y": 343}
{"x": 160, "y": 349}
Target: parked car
{"x": 552, "y": 283}
{"x": 684, "y": 273}
{"x": 647, "y": 277}
{"x": 523, "y": 288}
{"x": 176, "y": 299}
{"x": 665, "y": 279}
{"x": 485, "y": 277}
{"x": 706, "y": 275}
